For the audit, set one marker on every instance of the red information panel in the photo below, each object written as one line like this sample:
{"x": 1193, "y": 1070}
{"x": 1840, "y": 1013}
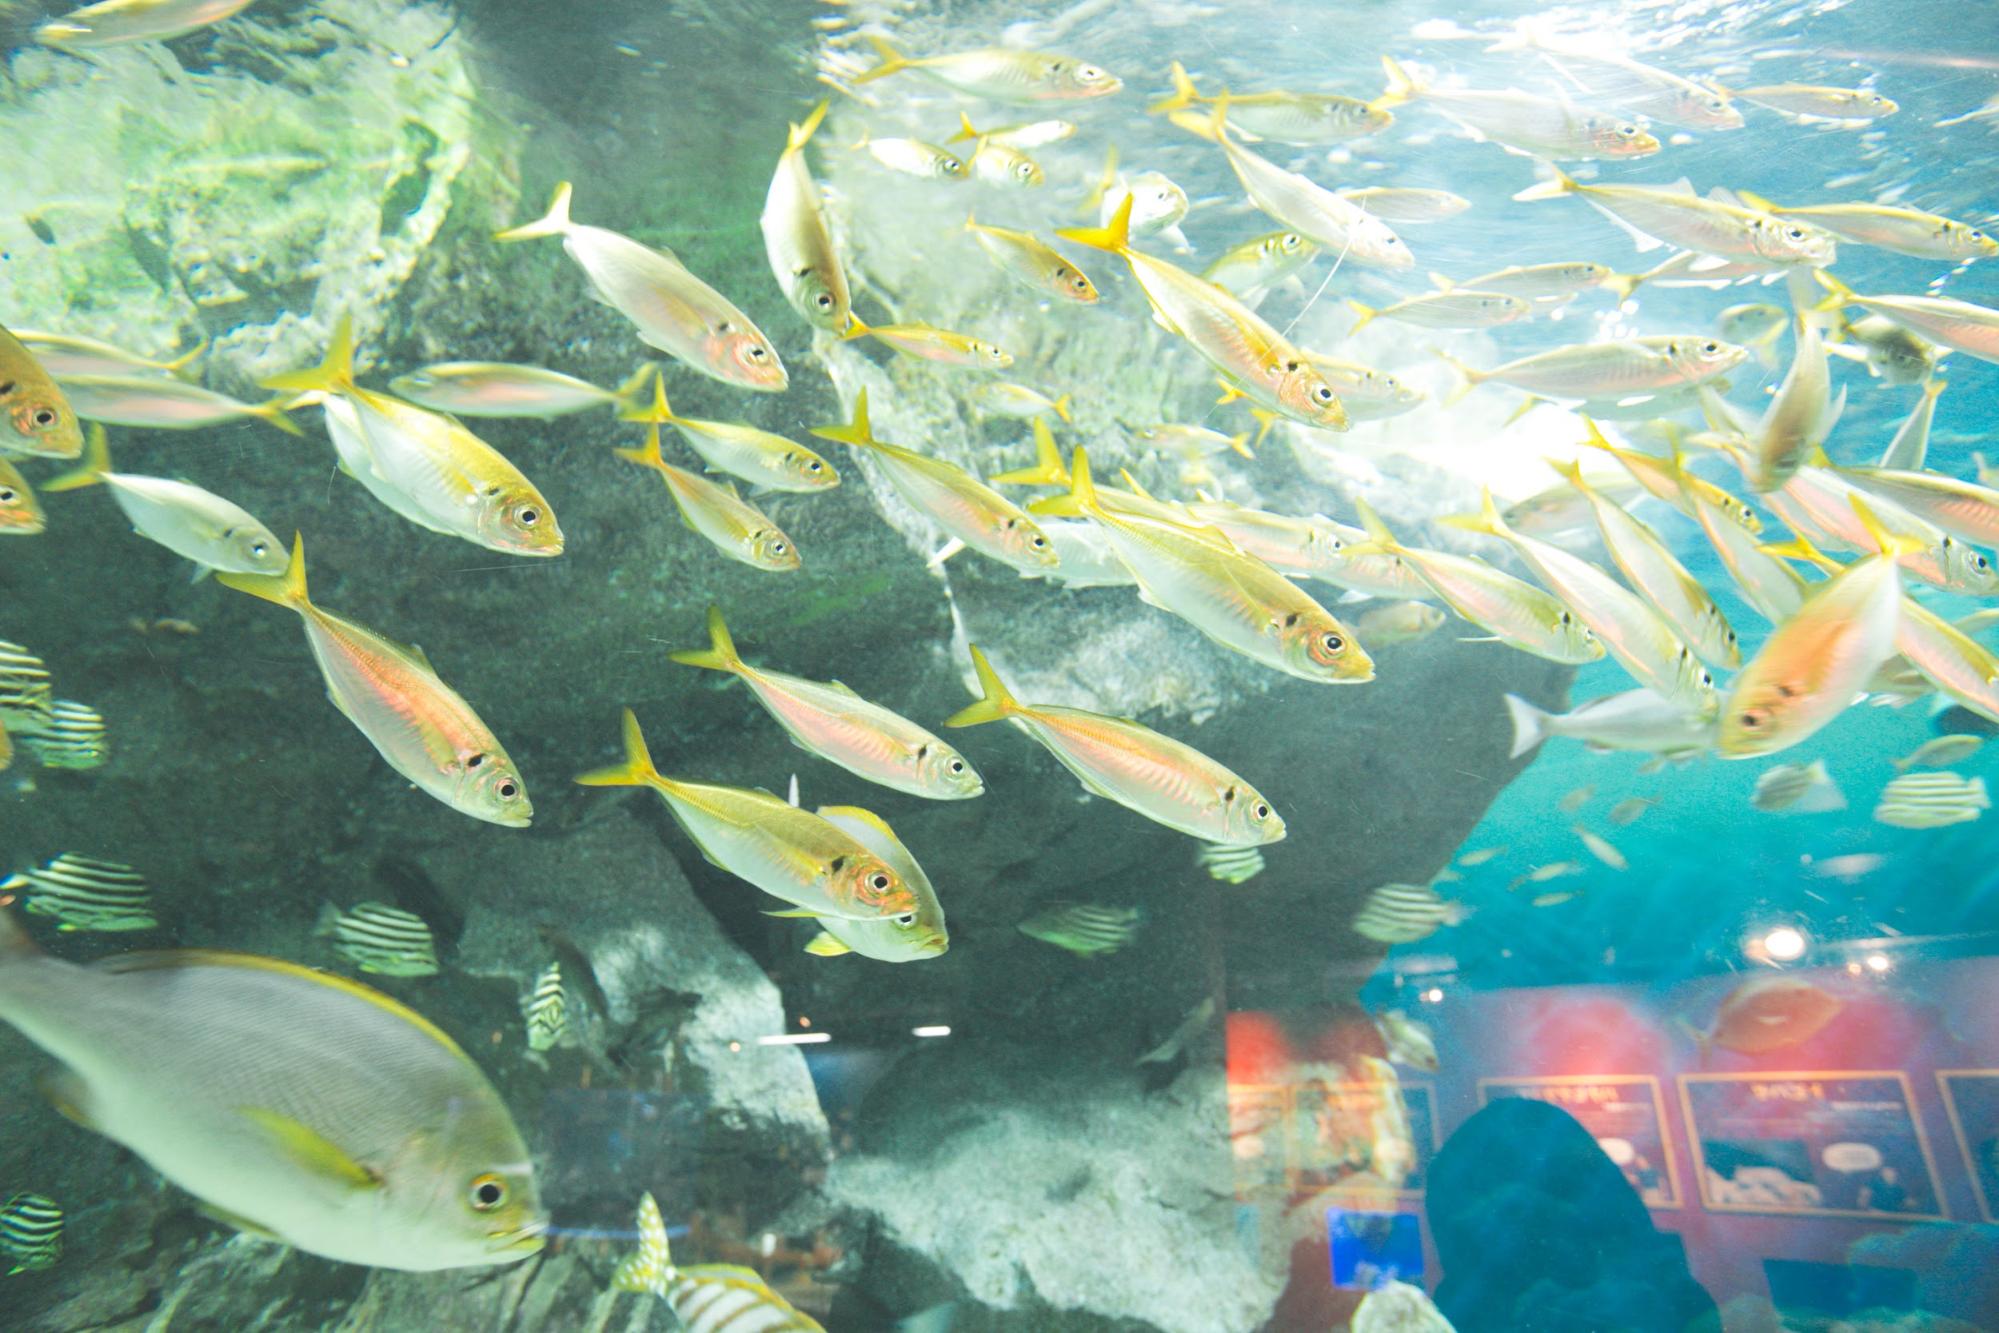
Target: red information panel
{"x": 1626, "y": 1113}
{"x": 1840, "y": 1143}
{"x": 1972, "y": 1098}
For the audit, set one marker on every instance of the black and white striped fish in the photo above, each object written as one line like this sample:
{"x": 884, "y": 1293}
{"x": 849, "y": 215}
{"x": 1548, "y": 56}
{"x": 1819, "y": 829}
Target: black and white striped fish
{"x": 378, "y": 938}
{"x": 708, "y": 1298}
{"x": 31, "y": 1232}
{"x": 24, "y": 684}
{"x": 1405, "y": 913}
{"x": 85, "y": 894}
{"x": 1931, "y": 800}
{"x": 546, "y": 1009}
{"x": 1231, "y": 865}
{"x": 1798, "y": 789}
{"x": 1086, "y": 929}
{"x": 71, "y": 735}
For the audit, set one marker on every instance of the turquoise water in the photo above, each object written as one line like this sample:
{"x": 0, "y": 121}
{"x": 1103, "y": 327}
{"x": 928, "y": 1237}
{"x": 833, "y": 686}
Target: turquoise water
{"x": 1722, "y": 1067}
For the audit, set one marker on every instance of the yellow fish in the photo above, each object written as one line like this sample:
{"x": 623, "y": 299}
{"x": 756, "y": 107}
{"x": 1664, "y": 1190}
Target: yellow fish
{"x": 789, "y": 853}
{"x": 1167, "y": 781}
{"x": 393, "y": 696}
{"x": 451, "y": 480}
{"x": 797, "y": 240}
{"x": 1303, "y": 119}
{"x": 35, "y": 417}
{"x": 734, "y": 526}
{"x": 1720, "y": 227}
{"x": 1235, "y": 340}
{"x": 927, "y": 343}
{"x": 116, "y": 22}
{"x": 768, "y": 461}
{"x": 1000, "y": 73}
{"x": 20, "y": 511}
{"x": 1032, "y": 263}
{"x": 1815, "y": 102}
{"x": 1232, "y": 597}
{"x": 998, "y": 163}
{"x": 956, "y": 501}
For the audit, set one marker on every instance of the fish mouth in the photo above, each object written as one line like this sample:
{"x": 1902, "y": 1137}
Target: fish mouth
{"x": 525, "y": 1239}
{"x": 936, "y": 945}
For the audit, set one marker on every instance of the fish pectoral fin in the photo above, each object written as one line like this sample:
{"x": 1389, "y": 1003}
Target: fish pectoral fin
{"x": 310, "y": 1149}
{"x": 70, "y": 1095}
{"x": 237, "y": 1220}
{"x": 825, "y": 946}
{"x": 801, "y": 912}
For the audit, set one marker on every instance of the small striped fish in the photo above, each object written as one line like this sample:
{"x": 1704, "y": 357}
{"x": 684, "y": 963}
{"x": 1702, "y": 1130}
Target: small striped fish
{"x": 31, "y": 1232}
{"x": 709, "y": 1298}
{"x": 86, "y": 894}
{"x": 1405, "y": 913}
{"x": 24, "y": 684}
{"x": 1086, "y": 929}
{"x": 1931, "y": 800}
{"x": 380, "y": 939}
{"x": 71, "y": 736}
{"x": 546, "y": 1010}
{"x": 1799, "y": 789}
{"x": 1231, "y": 865}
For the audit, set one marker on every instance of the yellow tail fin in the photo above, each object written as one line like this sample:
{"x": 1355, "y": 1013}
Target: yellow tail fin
{"x": 1081, "y": 501}
{"x": 1894, "y": 545}
{"x": 1184, "y": 93}
{"x": 274, "y": 412}
{"x": 1840, "y": 295}
{"x": 1402, "y": 86}
{"x": 892, "y": 60}
{"x": 1061, "y": 406}
{"x": 661, "y": 411}
{"x": 1473, "y": 377}
{"x": 801, "y": 134}
{"x": 286, "y": 589}
{"x": 720, "y": 655}
{"x": 1104, "y": 182}
{"x": 647, "y": 454}
{"x": 1800, "y": 547}
{"x": 1047, "y": 469}
{"x": 636, "y": 771}
{"x": 1367, "y": 315}
{"x": 855, "y": 328}
{"x": 332, "y": 374}
{"x": 1380, "y": 541}
{"x": 554, "y": 222}
{"x": 1563, "y": 184}
{"x": 965, "y": 134}
{"x": 1115, "y": 236}
{"x": 185, "y": 359}
{"x": 1487, "y": 520}
{"x": 90, "y": 469}
{"x": 996, "y": 704}
{"x": 1623, "y": 284}
{"x": 1594, "y": 438}
{"x": 859, "y": 432}
{"x": 633, "y": 389}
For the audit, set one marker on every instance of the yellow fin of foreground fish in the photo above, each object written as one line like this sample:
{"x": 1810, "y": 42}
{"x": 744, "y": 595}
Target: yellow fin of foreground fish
{"x": 246, "y": 1098}
{"x": 420, "y": 725}
{"x": 1165, "y": 780}
{"x": 787, "y": 852}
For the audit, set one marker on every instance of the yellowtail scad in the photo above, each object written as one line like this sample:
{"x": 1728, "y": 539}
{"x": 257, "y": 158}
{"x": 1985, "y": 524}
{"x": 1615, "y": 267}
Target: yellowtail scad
{"x": 83, "y": 893}
{"x": 381, "y": 939}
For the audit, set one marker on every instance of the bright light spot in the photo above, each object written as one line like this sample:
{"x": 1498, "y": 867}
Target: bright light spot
{"x": 804, "y": 1022}
{"x": 1878, "y": 962}
{"x": 1434, "y": 995}
{"x": 934, "y": 1030}
{"x": 735, "y": 1046}
{"x": 1785, "y": 944}
{"x": 794, "y": 1039}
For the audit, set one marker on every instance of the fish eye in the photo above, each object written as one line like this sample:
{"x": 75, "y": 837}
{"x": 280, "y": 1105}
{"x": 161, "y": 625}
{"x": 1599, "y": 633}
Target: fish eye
{"x": 1260, "y": 810}
{"x": 878, "y": 882}
{"x": 1706, "y": 679}
{"x": 906, "y": 919}
{"x": 1717, "y": 104}
{"x": 815, "y": 466}
{"x": 488, "y": 1192}
{"x": 756, "y": 353}
{"x": 1977, "y": 235}
{"x": 1711, "y": 347}
{"x": 1089, "y": 73}
{"x": 1038, "y": 542}
{"x": 1795, "y": 233}
{"x": 508, "y": 789}
{"x": 1627, "y": 131}
{"x": 778, "y": 547}
{"x": 1333, "y": 643}
{"x": 7, "y": 495}
{"x": 475, "y": 761}
{"x": 1568, "y": 619}
{"x": 527, "y": 516}
{"x": 1322, "y": 394}
{"x": 1025, "y": 170}
{"x": 823, "y": 301}
{"x": 256, "y": 548}
{"x": 956, "y": 765}
{"x": 1750, "y": 720}
{"x": 44, "y": 417}
{"x": 1080, "y": 283}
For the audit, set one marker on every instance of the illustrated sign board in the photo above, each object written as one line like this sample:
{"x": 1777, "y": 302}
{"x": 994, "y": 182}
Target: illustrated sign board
{"x": 1971, "y": 1096}
{"x": 1824, "y": 1143}
{"x": 1313, "y": 1135}
{"x": 1625, "y": 1113}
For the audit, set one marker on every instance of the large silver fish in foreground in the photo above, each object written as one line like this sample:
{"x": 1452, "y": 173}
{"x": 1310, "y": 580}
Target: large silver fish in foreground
{"x": 295, "y": 1104}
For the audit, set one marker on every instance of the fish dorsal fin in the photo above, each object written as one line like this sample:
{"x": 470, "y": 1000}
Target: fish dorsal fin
{"x": 69, "y": 1094}
{"x": 868, "y": 817}
{"x": 308, "y": 1148}
{"x": 415, "y": 650}
{"x": 843, "y": 687}
{"x": 1680, "y": 186}
{"x": 1721, "y": 194}
{"x": 238, "y": 1221}
{"x": 173, "y": 959}
{"x": 823, "y": 945}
